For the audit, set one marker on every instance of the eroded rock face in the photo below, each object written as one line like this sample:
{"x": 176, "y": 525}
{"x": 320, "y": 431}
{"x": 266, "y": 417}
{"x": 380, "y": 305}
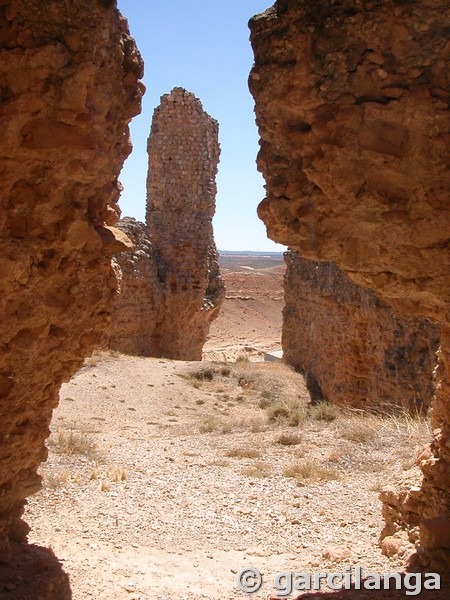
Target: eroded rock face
{"x": 182, "y": 267}
{"x": 137, "y": 307}
{"x": 353, "y": 348}
{"x": 69, "y": 85}
{"x": 351, "y": 102}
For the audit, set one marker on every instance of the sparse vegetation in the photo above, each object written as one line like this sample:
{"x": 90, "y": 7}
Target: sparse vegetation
{"x": 219, "y": 463}
{"x": 289, "y": 439}
{"x": 377, "y": 486}
{"x": 291, "y": 412}
{"x": 74, "y": 442}
{"x": 323, "y": 411}
{"x": 243, "y": 453}
{"x": 257, "y": 469}
{"x": 205, "y": 374}
{"x": 212, "y": 423}
{"x": 257, "y": 424}
{"x": 117, "y": 474}
{"x": 310, "y": 470}
{"x": 336, "y": 455}
{"x": 55, "y": 480}
{"x": 358, "y": 430}
{"x": 242, "y": 358}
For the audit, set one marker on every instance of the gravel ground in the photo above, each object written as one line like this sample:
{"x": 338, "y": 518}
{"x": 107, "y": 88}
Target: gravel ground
{"x": 162, "y": 483}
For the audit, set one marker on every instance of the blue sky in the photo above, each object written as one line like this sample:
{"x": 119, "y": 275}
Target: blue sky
{"x": 203, "y": 46}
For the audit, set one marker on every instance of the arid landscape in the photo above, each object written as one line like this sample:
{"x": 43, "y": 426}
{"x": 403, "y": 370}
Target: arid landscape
{"x": 250, "y": 320}
{"x": 150, "y": 445}
{"x": 166, "y": 478}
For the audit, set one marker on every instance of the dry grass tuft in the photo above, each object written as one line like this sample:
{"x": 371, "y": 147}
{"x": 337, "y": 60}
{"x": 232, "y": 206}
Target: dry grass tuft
{"x": 323, "y": 411}
{"x": 104, "y": 486}
{"x": 212, "y": 423}
{"x": 292, "y": 412}
{"x": 117, "y": 474}
{"x": 75, "y": 443}
{"x": 242, "y": 358}
{"x": 243, "y": 453}
{"x": 378, "y": 485}
{"x": 289, "y": 439}
{"x": 336, "y": 455}
{"x": 257, "y": 469}
{"x": 358, "y": 430}
{"x": 219, "y": 463}
{"x": 310, "y": 470}
{"x": 205, "y": 374}
{"x": 54, "y": 481}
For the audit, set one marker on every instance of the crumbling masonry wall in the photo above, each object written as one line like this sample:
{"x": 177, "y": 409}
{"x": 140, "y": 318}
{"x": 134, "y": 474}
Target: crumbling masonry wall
{"x": 352, "y": 107}
{"x": 352, "y": 347}
{"x": 183, "y": 150}
{"x": 69, "y": 85}
{"x": 135, "y": 311}
{"x": 182, "y": 266}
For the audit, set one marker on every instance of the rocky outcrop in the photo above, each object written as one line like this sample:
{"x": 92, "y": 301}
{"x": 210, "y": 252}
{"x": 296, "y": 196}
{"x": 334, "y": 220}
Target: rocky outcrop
{"x": 136, "y": 309}
{"x": 351, "y": 102}
{"x": 171, "y": 287}
{"x": 69, "y": 85}
{"x": 352, "y": 347}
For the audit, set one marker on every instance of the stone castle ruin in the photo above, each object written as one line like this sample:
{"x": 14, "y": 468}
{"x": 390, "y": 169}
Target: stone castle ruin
{"x": 351, "y": 101}
{"x": 171, "y": 289}
{"x": 352, "y": 108}
{"x": 354, "y": 350}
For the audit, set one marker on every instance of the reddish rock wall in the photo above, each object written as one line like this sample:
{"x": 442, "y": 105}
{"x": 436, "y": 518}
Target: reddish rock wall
{"x": 136, "y": 309}
{"x": 351, "y": 102}
{"x": 69, "y": 85}
{"x": 182, "y": 268}
{"x": 352, "y": 347}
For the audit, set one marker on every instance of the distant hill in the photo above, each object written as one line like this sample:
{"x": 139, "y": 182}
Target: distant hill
{"x": 251, "y": 261}
{"x": 248, "y": 253}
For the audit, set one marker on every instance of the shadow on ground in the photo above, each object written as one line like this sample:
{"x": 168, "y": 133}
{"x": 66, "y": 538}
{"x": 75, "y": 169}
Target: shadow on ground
{"x": 34, "y": 573}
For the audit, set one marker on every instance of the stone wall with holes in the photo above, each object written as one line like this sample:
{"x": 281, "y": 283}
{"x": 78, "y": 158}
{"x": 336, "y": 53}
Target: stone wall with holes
{"x": 352, "y": 347}
{"x": 136, "y": 310}
{"x": 352, "y": 108}
{"x": 69, "y": 86}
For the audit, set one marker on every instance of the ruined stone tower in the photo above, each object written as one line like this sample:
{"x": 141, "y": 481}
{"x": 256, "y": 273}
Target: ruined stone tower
{"x": 183, "y": 152}
{"x": 175, "y": 278}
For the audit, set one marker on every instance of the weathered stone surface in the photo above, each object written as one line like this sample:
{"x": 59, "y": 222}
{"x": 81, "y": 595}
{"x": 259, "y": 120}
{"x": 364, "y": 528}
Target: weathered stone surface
{"x": 354, "y": 176}
{"x": 353, "y": 348}
{"x": 183, "y": 149}
{"x": 351, "y": 102}
{"x": 136, "y": 310}
{"x": 69, "y": 85}
{"x": 175, "y": 252}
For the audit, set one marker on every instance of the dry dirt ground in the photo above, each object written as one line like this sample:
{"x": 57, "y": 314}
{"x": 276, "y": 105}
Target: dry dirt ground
{"x": 165, "y": 478}
{"x": 250, "y": 320}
